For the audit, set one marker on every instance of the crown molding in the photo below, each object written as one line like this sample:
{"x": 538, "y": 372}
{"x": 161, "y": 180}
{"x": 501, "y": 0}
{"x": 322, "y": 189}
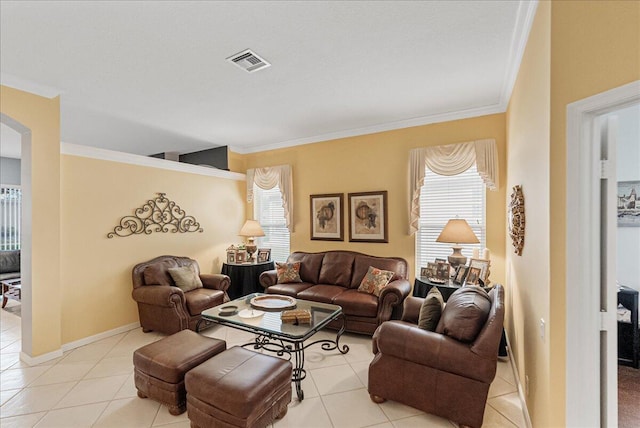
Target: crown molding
{"x": 390, "y": 126}
{"x": 128, "y": 158}
{"x": 26, "y": 85}
{"x": 524, "y": 21}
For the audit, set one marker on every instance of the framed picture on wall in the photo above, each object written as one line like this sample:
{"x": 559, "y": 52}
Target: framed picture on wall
{"x": 368, "y": 217}
{"x": 628, "y": 203}
{"x": 327, "y": 222}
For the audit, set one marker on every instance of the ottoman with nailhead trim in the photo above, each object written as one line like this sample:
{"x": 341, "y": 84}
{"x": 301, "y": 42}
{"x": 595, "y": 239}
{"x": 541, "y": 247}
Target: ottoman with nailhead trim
{"x": 238, "y": 388}
{"x": 160, "y": 367}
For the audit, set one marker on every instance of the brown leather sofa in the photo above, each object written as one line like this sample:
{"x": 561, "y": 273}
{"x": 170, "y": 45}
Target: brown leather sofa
{"x": 334, "y": 277}
{"x": 166, "y": 308}
{"x": 435, "y": 372}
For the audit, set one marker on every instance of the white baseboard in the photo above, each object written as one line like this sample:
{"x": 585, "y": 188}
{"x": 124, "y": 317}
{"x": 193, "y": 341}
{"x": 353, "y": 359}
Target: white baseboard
{"x": 33, "y": 361}
{"x": 90, "y": 339}
{"x": 525, "y": 410}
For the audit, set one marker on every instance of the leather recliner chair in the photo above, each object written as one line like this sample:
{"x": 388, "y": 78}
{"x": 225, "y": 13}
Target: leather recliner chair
{"x": 434, "y": 372}
{"x": 166, "y": 308}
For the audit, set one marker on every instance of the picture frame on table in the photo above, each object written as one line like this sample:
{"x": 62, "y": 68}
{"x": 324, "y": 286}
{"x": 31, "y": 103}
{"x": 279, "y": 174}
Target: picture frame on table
{"x": 241, "y": 256}
{"x": 231, "y": 256}
{"x": 431, "y": 271}
{"x": 473, "y": 276}
{"x": 368, "y": 218}
{"x": 443, "y": 271}
{"x": 483, "y": 265}
{"x": 460, "y": 275}
{"x": 327, "y": 221}
{"x": 264, "y": 255}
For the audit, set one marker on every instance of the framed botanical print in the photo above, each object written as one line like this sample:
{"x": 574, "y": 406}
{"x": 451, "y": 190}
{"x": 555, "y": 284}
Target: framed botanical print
{"x": 368, "y": 217}
{"x": 327, "y": 222}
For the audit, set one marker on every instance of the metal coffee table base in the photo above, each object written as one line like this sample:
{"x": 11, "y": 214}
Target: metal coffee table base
{"x": 295, "y": 349}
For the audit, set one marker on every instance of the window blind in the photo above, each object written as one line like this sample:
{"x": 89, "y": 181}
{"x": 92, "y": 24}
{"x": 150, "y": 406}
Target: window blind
{"x": 10, "y": 217}
{"x": 443, "y": 198}
{"x": 267, "y": 209}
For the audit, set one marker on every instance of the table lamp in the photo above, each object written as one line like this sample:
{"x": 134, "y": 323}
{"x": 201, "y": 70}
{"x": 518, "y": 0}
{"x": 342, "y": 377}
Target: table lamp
{"x": 251, "y": 229}
{"x": 457, "y": 231}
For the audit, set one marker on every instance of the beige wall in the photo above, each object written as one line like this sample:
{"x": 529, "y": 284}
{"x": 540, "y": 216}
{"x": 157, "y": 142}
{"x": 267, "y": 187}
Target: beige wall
{"x": 575, "y": 50}
{"x": 42, "y": 117}
{"x": 595, "y": 46}
{"x": 96, "y": 270}
{"x": 380, "y": 162}
{"x": 528, "y": 142}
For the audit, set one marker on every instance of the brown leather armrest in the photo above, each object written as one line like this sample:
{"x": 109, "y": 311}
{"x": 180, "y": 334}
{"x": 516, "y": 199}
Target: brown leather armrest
{"x": 268, "y": 278}
{"x": 408, "y": 342}
{"x": 158, "y": 295}
{"x": 215, "y": 281}
{"x": 396, "y": 290}
{"x": 411, "y": 309}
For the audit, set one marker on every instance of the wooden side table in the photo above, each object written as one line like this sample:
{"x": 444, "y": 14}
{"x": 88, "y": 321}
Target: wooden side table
{"x": 11, "y": 289}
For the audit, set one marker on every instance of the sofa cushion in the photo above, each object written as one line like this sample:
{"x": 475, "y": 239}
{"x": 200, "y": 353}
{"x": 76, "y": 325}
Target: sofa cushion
{"x": 465, "y": 313}
{"x": 10, "y": 261}
{"x": 375, "y": 280}
{"x": 185, "y": 278}
{"x": 288, "y": 272}
{"x": 292, "y": 289}
{"x": 310, "y": 264}
{"x": 337, "y": 267}
{"x": 357, "y": 304}
{"x": 323, "y": 293}
{"x": 362, "y": 263}
{"x": 431, "y": 310}
{"x": 203, "y": 298}
{"x": 158, "y": 273}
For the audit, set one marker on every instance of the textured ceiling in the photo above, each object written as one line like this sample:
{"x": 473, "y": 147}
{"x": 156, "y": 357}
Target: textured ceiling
{"x": 148, "y": 77}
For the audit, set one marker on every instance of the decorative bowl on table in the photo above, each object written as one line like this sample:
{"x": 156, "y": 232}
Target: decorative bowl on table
{"x": 273, "y": 302}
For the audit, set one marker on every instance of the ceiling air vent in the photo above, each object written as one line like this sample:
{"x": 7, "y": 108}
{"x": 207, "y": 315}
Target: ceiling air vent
{"x": 248, "y": 61}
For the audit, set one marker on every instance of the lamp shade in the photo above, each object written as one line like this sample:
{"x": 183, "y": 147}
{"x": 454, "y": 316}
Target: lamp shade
{"x": 251, "y": 228}
{"x": 457, "y": 231}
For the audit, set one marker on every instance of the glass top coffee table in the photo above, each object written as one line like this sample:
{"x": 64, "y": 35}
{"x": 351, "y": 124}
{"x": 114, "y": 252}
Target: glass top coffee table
{"x": 274, "y": 335}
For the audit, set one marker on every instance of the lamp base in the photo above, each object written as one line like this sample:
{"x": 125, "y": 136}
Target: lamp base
{"x": 251, "y": 249}
{"x": 457, "y": 258}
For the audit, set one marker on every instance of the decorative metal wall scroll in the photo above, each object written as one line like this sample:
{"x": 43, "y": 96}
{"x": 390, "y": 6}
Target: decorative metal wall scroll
{"x": 157, "y": 215}
{"x": 517, "y": 219}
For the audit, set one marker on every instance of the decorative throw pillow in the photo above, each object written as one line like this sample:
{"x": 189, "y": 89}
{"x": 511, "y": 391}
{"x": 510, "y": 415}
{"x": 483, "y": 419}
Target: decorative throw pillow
{"x": 185, "y": 278}
{"x": 431, "y": 310}
{"x": 288, "y": 272}
{"x": 375, "y": 280}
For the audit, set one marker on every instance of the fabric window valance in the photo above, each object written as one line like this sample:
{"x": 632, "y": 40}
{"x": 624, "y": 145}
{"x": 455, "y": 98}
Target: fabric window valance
{"x": 450, "y": 159}
{"x": 270, "y": 177}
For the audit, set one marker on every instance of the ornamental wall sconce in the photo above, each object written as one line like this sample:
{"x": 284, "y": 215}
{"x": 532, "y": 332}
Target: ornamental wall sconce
{"x": 156, "y": 215}
{"x": 517, "y": 219}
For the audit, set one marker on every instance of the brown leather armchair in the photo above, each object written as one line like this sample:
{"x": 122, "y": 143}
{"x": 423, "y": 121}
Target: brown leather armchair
{"x": 166, "y": 308}
{"x": 432, "y": 371}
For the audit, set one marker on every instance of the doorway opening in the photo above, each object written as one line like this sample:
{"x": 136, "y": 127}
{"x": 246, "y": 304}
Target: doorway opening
{"x": 591, "y": 236}
{"x": 25, "y": 232}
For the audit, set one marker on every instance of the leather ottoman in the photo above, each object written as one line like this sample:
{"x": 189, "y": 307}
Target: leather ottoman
{"x": 238, "y": 388}
{"x": 159, "y": 367}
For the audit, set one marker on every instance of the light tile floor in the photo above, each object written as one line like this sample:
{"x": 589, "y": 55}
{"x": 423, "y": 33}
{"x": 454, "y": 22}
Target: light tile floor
{"x": 92, "y": 386}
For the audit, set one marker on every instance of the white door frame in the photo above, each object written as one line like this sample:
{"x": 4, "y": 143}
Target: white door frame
{"x": 25, "y": 240}
{"x": 585, "y": 321}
